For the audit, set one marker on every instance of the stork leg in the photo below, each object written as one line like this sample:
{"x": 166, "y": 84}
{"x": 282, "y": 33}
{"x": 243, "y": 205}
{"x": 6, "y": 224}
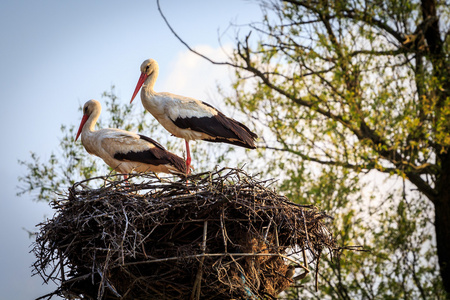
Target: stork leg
{"x": 188, "y": 158}
{"x": 127, "y": 183}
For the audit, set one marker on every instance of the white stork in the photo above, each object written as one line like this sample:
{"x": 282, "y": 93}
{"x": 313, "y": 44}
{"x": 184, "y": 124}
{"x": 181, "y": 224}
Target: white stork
{"x": 125, "y": 151}
{"x": 188, "y": 118}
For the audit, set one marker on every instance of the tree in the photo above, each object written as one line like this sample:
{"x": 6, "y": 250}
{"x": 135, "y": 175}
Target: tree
{"x": 347, "y": 94}
{"x": 355, "y": 86}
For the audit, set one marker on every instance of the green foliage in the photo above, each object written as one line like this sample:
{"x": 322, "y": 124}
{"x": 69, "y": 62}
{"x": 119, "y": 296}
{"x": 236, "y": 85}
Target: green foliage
{"x": 61, "y": 170}
{"x": 341, "y": 90}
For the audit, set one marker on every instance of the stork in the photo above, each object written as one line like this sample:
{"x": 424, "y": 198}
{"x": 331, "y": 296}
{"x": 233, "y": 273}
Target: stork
{"x": 189, "y": 118}
{"x": 125, "y": 151}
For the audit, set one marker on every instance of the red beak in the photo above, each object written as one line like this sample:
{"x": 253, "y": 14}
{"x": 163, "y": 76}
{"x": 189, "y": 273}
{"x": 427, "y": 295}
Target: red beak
{"x": 139, "y": 84}
{"x": 83, "y": 121}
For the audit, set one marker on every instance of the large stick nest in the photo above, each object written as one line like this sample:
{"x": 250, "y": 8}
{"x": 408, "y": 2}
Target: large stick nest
{"x": 222, "y": 235}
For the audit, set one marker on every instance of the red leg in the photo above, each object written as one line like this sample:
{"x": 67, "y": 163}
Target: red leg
{"x": 188, "y": 158}
{"x": 126, "y": 181}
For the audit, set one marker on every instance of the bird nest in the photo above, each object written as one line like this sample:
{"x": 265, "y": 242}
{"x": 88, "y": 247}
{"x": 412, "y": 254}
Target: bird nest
{"x": 221, "y": 235}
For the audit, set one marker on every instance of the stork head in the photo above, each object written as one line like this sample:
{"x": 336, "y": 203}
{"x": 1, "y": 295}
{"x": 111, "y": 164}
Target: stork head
{"x": 92, "y": 107}
{"x": 148, "y": 68}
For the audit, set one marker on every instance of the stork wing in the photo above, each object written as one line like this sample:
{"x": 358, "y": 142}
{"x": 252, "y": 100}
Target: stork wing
{"x": 127, "y": 146}
{"x": 206, "y": 119}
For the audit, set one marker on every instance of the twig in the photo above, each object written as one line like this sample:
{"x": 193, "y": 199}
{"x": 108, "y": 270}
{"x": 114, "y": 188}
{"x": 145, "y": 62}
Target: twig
{"x": 224, "y": 233}
{"x": 124, "y": 234}
{"x": 317, "y": 271}
{"x": 196, "y": 290}
{"x": 61, "y": 264}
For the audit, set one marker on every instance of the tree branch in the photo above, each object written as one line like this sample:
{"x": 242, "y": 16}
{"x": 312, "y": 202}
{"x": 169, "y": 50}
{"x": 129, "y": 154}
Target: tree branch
{"x": 186, "y": 44}
{"x": 359, "y": 16}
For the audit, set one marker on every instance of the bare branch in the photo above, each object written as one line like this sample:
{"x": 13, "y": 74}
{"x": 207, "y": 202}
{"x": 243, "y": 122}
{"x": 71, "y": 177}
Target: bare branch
{"x": 186, "y": 44}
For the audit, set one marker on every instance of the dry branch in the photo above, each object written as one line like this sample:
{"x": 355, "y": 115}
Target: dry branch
{"x": 221, "y": 235}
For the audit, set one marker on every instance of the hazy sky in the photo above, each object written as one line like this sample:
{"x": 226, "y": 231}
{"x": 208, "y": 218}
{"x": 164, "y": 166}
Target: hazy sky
{"x": 56, "y": 55}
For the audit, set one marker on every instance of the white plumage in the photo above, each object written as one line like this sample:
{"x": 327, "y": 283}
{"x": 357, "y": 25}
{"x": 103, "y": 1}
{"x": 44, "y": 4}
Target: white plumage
{"x": 189, "y": 118}
{"x": 125, "y": 151}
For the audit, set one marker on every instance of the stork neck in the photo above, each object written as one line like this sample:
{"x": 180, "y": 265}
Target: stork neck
{"x": 149, "y": 83}
{"x": 147, "y": 91}
{"x": 91, "y": 121}
{"x": 148, "y": 94}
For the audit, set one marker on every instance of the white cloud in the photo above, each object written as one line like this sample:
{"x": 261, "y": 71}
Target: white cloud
{"x": 193, "y": 76}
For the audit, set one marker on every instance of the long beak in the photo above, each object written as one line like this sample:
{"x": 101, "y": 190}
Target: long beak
{"x": 83, "y": 121}
{"x": 138, "y": 85}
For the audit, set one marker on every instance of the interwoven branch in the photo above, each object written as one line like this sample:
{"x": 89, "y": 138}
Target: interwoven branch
{"x": 224, "y": 233}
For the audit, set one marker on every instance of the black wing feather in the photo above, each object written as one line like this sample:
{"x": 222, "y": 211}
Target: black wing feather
{"x": 155, "y": 156}
{"x": 152, "y": 141}
{"x": 221, "y": 128}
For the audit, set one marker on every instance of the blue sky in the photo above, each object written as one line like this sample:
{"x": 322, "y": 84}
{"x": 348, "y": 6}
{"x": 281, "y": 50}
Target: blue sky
{"x": 56, "y": 55}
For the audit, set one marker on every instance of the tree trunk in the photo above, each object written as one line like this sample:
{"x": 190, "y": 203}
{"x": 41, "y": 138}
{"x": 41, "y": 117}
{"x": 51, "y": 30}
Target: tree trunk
{"x": 442, "y": 222}
{"x": 442, "y": 201}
